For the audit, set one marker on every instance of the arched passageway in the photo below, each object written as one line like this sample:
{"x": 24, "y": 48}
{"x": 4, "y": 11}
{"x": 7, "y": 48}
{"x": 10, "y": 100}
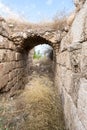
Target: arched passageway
{"x": 31, "y": 42}
{"x": 70, "y": 71}
{"x": 38, "y": 106}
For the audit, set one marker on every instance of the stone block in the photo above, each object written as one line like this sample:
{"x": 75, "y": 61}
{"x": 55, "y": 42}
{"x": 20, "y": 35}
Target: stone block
{"x": 18, "y": 56}
{"x": 66, "y": 41}
{"x": 3, "y": 55}
{"x": 74, "y": 87}
{"x": 5, "y": 68}
{"x": 77, "y": 29}
{"x": 1, "y": 69}
{"x": 71, "y": 114}
{"x": 12, "y": 75}
{"x": 63, "y": 59}
{"x": 82, "y": 102}
{"x": 75, "y": 60}
{"x": 84, "y": 58}
{"x": 19, "y": 64}
{"x": 4, "y": 44}
{"x": 74, "y": 46}
{"x": 10, "y": 55}
{"x": 12, "y": 46}
{"x": 3, "y": 81}
{"x": 68, "y": 80}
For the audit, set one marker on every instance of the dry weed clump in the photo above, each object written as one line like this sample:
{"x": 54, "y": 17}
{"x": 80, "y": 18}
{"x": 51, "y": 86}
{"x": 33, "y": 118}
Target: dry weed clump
{"x": 59, "y": 24}
{"x": 40, "y": 107}
{"x": 60, "y": 21}
{"x": 18, "y": 25}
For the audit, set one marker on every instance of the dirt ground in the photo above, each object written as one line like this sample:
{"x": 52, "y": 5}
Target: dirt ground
{"x": 38, "y": 106}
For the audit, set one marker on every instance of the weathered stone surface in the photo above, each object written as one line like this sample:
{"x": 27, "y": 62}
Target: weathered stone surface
{"x": 71, "y": 71}
{"x": 5, "y": 68}
{"x": 74, "y": 46}
{"x": 77, "y": 29}
{"x": 71, "y": 18}
{"x": 63, "y": 59}
{"x": 4, "y": 30}
{"x": 3, "y": 56}
{"x": 74, "y": 88}
{"x": 18, "y": 56}
{"x": 71, "y": 114}
{"x": 75, "y": 59}
{"x": 3, "y": 43}
{"x": 66, "y": 41}
{"x": 70, "y": 63}
{"x": 82, "y": 102}
{"x": 12, "y": 74}
{"x": 67, "y": 80}
{"x": 3, "y": 81}
{"x": 84, "y": 58}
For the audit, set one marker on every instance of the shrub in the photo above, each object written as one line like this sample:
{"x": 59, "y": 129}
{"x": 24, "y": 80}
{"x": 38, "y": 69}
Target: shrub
{"x": 37, "y": 55}
{"x": 59, "y": 21}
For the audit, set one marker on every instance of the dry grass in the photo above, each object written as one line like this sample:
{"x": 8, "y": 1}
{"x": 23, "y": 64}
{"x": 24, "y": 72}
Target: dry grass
{"x": 38, "y": 107}
{"x": 39, "y": 101}
{"x": 58, "y": 23}
{"x": 16, "y": 25}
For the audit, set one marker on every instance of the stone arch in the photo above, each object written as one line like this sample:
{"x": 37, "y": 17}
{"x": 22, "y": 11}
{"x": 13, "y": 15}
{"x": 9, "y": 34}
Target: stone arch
{"x": 32, "y": 41}
{"x": 17, "y": 47}
{"x": 24, "y": 42}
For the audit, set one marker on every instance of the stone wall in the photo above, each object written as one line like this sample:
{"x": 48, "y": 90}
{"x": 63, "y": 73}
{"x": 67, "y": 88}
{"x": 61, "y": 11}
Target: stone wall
{"x": 70, "y": 65}
{"x": 16, "y": 56}
{"x": 71, "y": 73}
{"x": 13, "y": 66}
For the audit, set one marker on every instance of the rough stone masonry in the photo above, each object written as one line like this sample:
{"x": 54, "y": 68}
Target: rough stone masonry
{"x": 70, "y": 50}
{"x": 71, "y": 68}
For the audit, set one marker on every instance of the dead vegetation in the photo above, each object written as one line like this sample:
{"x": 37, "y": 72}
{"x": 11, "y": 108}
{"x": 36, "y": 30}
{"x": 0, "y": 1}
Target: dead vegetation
{"x": 38, "y": 107}
{"x": 56, "y": 24}
{"x": 59, "y": 22}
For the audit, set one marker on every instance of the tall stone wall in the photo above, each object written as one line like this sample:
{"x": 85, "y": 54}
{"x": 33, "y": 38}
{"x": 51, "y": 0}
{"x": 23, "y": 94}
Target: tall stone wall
{"x": 13, "y": 66}
{"x": 71, "y": 73}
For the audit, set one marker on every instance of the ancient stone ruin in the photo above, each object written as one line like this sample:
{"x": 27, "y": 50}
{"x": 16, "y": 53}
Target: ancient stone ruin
{"x": 70, "y": 58}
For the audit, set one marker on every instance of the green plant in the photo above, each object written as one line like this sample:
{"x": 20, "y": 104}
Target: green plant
{"x": 37, "y": 55}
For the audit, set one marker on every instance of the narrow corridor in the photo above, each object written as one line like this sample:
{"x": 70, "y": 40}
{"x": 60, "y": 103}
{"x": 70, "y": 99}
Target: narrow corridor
{"x": 38, "y": 107}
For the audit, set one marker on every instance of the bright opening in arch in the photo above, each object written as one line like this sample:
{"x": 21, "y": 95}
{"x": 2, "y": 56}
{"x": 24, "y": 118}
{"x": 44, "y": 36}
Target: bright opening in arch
{"x": 44, "y": 50}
